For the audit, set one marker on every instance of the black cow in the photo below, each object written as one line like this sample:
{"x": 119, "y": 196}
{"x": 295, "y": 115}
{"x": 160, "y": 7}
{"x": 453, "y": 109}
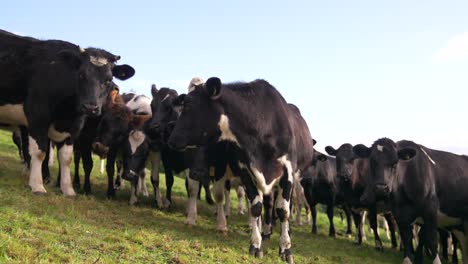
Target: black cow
{"x": 354, "y": 174}
{"x": 256, "y": 119}
{"x": 321, "y": 185}
{"x": 423, "y": 185}
{"x": 49, "y": 87}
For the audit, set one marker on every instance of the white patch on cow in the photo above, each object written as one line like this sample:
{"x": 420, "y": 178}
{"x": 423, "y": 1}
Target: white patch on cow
{"x": 57, "y": 136}
{"x": 226, "y": 133}
{"x": 380, "y": 148}
{"x": 287, "y": 163}
{"x": 13, "y": 114}
{"x": 136, "y": 138}
{"x": 256, "y": 239}
{"x": 165, "y": 98}
{"x": 407, "y": 260}
{"x": 102, "y": 166}
{"x": 65, "y": 157}
{"x": 429, "y": 157}
{"x": 140, "y": 104}
{"x": 193, "y": 187}
{"x": 436, "y": 260}
{"x": 285, "y": 240}
{"x": 195, "y": 82}
{"x": 98, "y": 61}
{"x": 444, "y": 220}
{"x": 35, "y": 176}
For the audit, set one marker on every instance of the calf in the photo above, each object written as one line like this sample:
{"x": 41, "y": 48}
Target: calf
{"x": 49, "y": 86}
{"x": 354, "y": 174}
{"x": 423, "y": 185}
{"x": 321, "y": 185}
{"x": 265, "y": 142}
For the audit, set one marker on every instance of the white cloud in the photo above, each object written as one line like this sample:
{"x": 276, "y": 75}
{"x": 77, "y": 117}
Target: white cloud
{"x": 456, "y": 48}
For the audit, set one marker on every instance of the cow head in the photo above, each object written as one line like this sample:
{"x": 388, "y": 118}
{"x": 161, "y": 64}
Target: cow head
{"x": 344, "y": 162}
{"x": 165, "y": 113}
{"x": 316, "y": 160}
{"x": 384, "y": 157}
{"x": 94, "y": 70}
{"x": 199, "y": 118}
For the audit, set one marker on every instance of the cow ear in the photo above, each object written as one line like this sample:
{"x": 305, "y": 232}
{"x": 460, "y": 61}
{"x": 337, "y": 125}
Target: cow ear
{"x": 179, "y": 101}
{"x": 362, "y": 151}
{"x": 139, "y": 120}
{"x": 123, "y": 72}
{"x": 70, "y": 58}
{"x": 113, "y": 95}
{"x": 213, "y": 87}
{"x": 322, "y": 157}
{"x": 406, "y": 153}
{"x": 314, "y": 142}
{"x": 154, "y": 90}
{"x": 330, "y": 150}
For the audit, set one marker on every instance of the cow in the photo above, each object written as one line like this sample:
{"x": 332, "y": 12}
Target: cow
{"x": 264, "y": 131}
{"x": 49, "y": 87}
{"x": 354, "y": 174}
{"x": 321, "y": 185}
{"x": 423, "y": 185}
{"x": 118, "y": 124}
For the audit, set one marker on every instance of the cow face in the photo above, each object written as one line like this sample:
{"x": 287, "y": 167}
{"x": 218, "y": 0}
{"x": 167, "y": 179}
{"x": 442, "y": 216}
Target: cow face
{"x": 199, "y": 120}
{"x": 94, "y": 70}
{"x": 383, "y": 156}
{"x": 317, "y": 158}
{"x": 165, "y": 113}
{"x": 136, "y": 148}
{"x": 344, "y": 162}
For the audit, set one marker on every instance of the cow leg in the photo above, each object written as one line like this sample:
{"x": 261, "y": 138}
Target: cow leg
{"x": 430, "y": 236}
{"x": 373, "y": 223}
{"x": 406, "y": 233}
{"x": 169, "y": 182}
{"x": 142, "y": 189}
{"x": 268, "y": 206}
{"x": 155, "y": 159}
{"x": 357, "y": 217}
{"x": 283, "y": 211}
{"x": 205, "y": 181}
{"x": 218, "y": 190}
{"x": 76, "y": 176}
{"x": 37, "y": 148}
{"x": 25, "y": 150}
{"x": 454, "y": 248}
{"x": 192, "y": 188}
{"x": 349, "y": 223}
{"x": 102, "y": 166}
{"x": 134, "y": 190}
{"x": 87, "y": 167}
{"x": 330, "y": 215}
{"x": 110, "y": 168}
{"x": 241, "y": 200}
{"x": 444, "y": 237}
{"x": 45, "y": 165}
{"x": 313, "y": 211}
{"x": 391, "y": 227}
{"x": 65, "y": 156}
{"x": 227, "y": 200}
{"x": 118, "y": 179}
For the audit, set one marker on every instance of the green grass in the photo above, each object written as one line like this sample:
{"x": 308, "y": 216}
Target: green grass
{"x": 92, "y": 229}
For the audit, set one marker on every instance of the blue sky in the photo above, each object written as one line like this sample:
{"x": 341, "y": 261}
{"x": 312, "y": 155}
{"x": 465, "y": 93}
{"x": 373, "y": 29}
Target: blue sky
{"x": 358, "y": 70}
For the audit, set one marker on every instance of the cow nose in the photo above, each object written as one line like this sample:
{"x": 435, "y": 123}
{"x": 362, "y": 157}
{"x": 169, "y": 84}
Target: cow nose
{"x": 90, "y": 109}
{"x": 382, "y": 190}
{"x": 100, "y": 149}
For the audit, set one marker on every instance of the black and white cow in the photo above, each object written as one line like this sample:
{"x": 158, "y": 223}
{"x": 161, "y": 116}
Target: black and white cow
{"x": 423, "y": 185}
{"x": 353, "y": 174}
{"x": 321, "y": 185}
{"x": 49, "y": 87}
{"x": 120, "y": 123}
{"x": 262, "y": 127}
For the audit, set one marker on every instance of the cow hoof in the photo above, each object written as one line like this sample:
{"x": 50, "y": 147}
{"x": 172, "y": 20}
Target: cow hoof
{"x": 241, "y": 212}
{"x": 379, "y": 248}
{"x": 314, "y": 230}
{"x": 39, "y": 193}
{"x": 76, "y": 185}
{"x": 407, "y": 260}
{"x": 223, "y": 232}
{"x": 357, "y": 243}
{"x": 209, "y": 200}
{"x": 332, "y": 234}
{"x": 256, "y": 252}
{"x": 166, "y": 204}
{"x": 286, "y": 256}
{"x": 69, "y": 193}
{"x": 46, "y": 181}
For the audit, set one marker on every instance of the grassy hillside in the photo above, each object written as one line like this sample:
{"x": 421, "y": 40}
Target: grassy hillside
{"x": 92, "y": 229}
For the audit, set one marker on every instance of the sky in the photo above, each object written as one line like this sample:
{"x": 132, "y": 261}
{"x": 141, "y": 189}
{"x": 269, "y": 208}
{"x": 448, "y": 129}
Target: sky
{"x": 358, "y": 70}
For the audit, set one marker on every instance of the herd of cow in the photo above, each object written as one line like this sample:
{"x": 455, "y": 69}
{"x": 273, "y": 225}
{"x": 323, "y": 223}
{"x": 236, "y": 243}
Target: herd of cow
{"x": 55, "y": 91}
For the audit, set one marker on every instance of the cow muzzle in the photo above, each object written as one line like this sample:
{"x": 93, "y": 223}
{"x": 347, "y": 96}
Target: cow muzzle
{"x": 381, "y": 191}
{"x": 90, "y": 109}
{"x": 100, "y": 149}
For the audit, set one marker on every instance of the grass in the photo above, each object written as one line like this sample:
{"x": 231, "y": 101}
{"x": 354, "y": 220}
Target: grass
{"x": 92, "y": 229}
